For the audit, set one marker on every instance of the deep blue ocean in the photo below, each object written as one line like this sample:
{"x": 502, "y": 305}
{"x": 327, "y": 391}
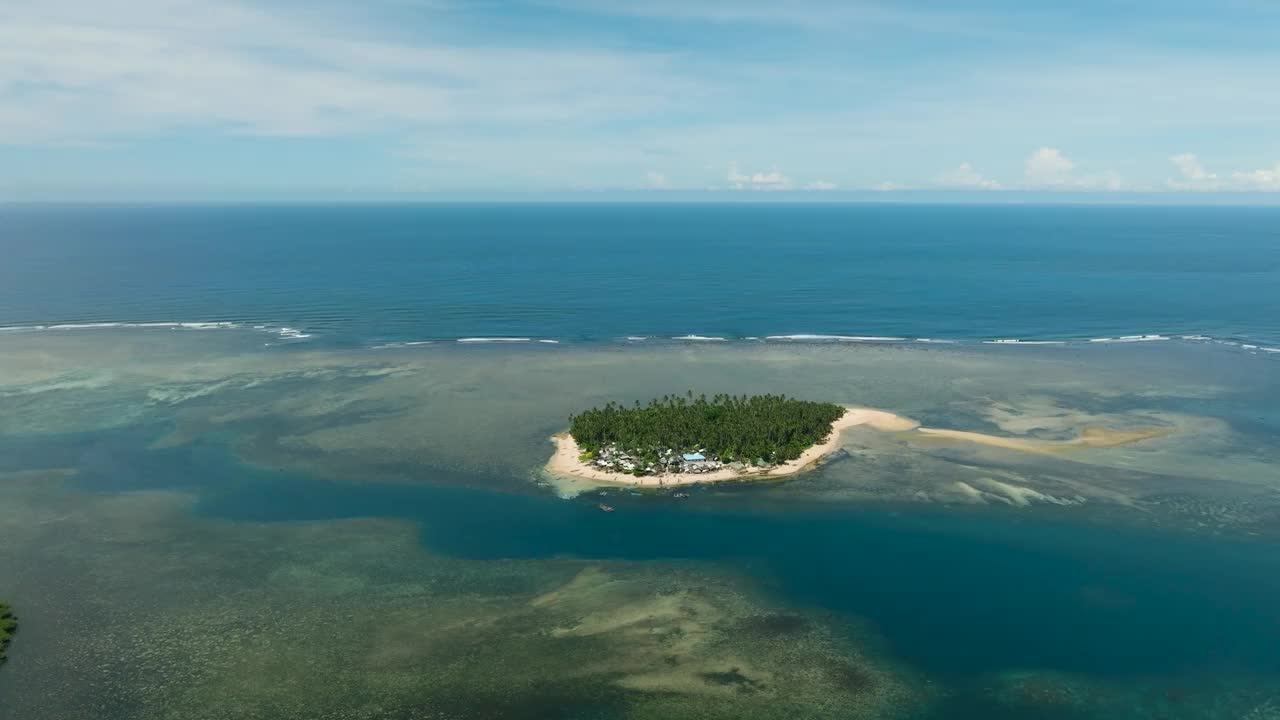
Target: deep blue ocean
{"x": 368, "y": 274}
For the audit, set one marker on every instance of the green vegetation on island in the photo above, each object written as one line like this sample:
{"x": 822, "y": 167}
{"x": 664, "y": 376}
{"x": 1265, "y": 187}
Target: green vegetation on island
{"x": 677, "y": 433}
{"x": 8, "y": 624}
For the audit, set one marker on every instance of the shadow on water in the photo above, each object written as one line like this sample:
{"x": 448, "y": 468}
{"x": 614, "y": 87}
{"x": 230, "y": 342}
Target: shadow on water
{"x": 957, "y": 593}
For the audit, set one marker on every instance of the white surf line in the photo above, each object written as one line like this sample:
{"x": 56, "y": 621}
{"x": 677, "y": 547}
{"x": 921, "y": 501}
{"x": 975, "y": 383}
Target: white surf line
{"x": 483, "y": 340}
{"x": 1129, "y": 339}
{"x": 833, "y": 338}
{"x": 415, "y": 343}
{"x": 220, "y": 325}
{"x": 1014, "y": 341}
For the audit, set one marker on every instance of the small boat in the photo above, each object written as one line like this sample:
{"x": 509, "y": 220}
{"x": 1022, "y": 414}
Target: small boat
{"x": 680, "y": 495}
{"x": 605, "y": 508}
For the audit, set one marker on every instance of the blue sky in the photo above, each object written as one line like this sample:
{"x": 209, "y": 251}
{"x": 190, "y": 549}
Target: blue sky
{"x": 157, "y": 99}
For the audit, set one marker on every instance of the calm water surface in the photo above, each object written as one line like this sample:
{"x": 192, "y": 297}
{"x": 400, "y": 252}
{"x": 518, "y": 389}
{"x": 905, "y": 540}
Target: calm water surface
{"x": 402, "y": 273}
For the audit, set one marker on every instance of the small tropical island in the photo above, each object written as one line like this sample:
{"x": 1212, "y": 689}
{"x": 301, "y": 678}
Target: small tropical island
{"x": 8, "y": 625}
{"x": 682, "y": 439}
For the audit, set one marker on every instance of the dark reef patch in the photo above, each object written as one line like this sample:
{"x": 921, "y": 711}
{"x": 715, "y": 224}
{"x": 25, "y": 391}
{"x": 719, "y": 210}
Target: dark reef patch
{"x": 8, "y": 626}
{"x": 733, "y": 677}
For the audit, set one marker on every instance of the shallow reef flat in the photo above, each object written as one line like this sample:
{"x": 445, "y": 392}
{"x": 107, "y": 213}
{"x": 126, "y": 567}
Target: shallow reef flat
{"x": 196, "y": 526}
{"x": 146, "y": 612}
{"x": 1187, "y": 429}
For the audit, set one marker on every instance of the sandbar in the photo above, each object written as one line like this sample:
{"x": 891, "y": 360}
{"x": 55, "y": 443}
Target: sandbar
{"x": 565, "y": 461}
{"x": 1089, "y": 437}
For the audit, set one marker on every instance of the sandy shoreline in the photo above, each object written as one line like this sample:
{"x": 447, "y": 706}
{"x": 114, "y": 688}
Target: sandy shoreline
{"x": 564, "y": 464}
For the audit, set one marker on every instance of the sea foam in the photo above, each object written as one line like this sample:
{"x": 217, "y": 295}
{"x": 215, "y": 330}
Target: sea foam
{"x": 1014, "y": 341}
{"x": 415, "y": 343}
{"x": 833, "y": 338}
{"x": 1129, "y": 339}
{"x": 62, "y": 327}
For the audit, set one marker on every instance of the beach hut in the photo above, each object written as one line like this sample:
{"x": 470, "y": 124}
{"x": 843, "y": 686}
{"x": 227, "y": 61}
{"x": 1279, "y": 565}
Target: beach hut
{"x": 694, "y": 457}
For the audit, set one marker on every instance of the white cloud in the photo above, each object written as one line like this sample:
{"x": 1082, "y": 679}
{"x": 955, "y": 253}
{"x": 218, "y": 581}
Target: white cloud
{"x": 1048, "y": 166}
{"x": 772, "y": 180}
{"x": 1190, "y": 167}
{"x": 965, "y": 176}
{"x": 1109, "y": 180}
{"x": 813, "y": 15}
{"x": 821, "y": 185}
{"x": 1192, "y": 174}
{"x": 657, "y": 180}
{"x": 574, "y": 105}
{"x": 1258, "y": 179}
{"x": 73, "y": 71}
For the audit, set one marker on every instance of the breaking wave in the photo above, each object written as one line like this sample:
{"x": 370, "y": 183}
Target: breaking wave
{"x": 833, "y": 338}
{"x": 1130, "y": 339}
{"x": 1014, "y": 341}
{"x": 288, "y": 334}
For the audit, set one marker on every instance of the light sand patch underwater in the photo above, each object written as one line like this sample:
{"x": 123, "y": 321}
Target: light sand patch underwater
{"x": 1090, "y": 437}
